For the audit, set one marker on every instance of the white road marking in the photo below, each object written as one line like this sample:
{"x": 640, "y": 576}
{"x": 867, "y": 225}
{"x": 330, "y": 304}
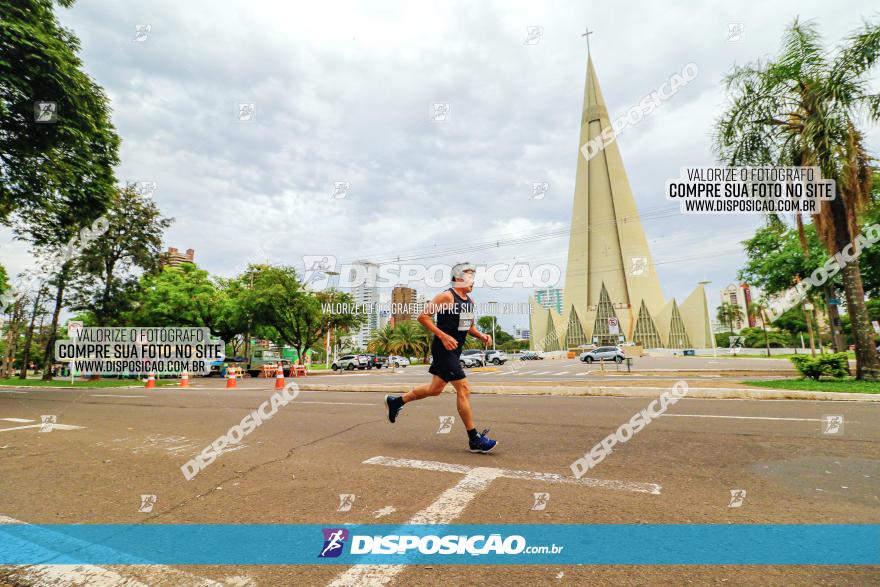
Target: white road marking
{"x": 562, "y": 373}
{"x": 114, "y": 395}
{"x": 744, "y": 417}
{"x": 95, "y": 576}
{"x": 337, "y": 403}
{"x": 54, "y": 427}
{"x": 387, "y": 510}
{"x": 18, "y": 420}
{"x": 11, "y": 391}
{"x": 452, "y": 503}
{"x": 652, "y": 488}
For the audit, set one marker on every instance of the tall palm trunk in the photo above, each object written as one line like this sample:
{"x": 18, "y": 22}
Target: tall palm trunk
{"x": 837, "y": 341}
{"x": 867, "y": 366}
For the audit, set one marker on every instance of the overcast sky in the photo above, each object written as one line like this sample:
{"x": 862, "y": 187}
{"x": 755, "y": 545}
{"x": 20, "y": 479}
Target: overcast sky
{"x": 343, "y": 92}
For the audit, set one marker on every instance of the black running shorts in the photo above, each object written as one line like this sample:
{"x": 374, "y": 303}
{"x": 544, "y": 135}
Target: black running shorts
{"x": 446, "y": 365}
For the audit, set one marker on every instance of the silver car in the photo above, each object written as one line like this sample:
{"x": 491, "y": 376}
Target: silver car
{"x": 603, "y": 353}
{"x": 396, "y": 361}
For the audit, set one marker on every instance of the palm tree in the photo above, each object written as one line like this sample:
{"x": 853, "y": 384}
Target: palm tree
{"x": 407, "y": 339}
{"x": 728, "y": 314}
{"x": 425, "y": 337}
{"x": 382, "y": 341}
{"x": 756, "y": 310}
{"x": 801, "y": 109}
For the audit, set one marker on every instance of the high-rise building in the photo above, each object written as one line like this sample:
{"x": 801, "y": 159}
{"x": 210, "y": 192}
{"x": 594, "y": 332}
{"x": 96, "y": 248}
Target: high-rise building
{"x": 612, "y": 292}
{"x": 741, "y": 296}
{"x": 366, "y": 296}
{"x": 550, "y": 299}
{"x": 403, "y": 304}
{"x": 173, "y": 257}
{"x": 421, "y": 302}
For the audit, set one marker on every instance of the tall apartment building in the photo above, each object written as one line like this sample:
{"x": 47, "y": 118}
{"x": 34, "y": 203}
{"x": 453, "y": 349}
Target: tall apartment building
{"x": 366, "y": 296}
{"x": 403, "y": 304}
{"x": 421, "y": 302}
{"x": 740, "y": 295}
{"x": 549, "y": 299}
{"x": 173, "y": 257}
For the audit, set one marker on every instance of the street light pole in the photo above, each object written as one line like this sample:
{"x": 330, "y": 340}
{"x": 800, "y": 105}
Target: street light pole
{"x": 711, "y": 330}
{"x": 327, "y": 343}
{"x": 493, "y": 323}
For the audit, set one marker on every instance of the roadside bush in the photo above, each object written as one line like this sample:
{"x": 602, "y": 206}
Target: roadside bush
{"x": 835, "y": 365}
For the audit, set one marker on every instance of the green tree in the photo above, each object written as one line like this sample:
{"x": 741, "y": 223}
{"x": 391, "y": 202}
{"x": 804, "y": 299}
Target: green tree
{"x": 133, "y": 239}
{"x": 802, "y": 109}
{"x": 177, "y": 296}
{"x": 45, "y": 164}
{"x": 755, "y": 310}
{"x": 57, "y": 145}
{"x": 409, "y": 340}
{"x": 4, "y": 282}
{"x": 37, "y": 311}
{"x": 382, "y": 341}
{"x": 728, "y": 314}
{"x": 276, "y": 298}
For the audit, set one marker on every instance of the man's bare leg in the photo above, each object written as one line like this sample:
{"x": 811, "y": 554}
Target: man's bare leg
{"x": 430, "y": 389}
{"x": 463, "y": 402}
{"x": 396, "y": 402}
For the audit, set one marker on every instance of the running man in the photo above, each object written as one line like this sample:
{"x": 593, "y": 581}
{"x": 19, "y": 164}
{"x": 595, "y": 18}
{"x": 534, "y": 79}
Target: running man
{"x": 455, "y": 320}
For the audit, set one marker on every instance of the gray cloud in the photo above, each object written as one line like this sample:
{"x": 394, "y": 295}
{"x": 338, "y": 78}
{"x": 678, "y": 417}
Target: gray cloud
{"x": 343, "y": 93}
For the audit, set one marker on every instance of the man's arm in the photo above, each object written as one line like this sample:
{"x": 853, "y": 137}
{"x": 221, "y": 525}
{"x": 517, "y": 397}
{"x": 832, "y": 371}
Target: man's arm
{"x": 474, "y": 331}
{"x": 440, "y": 300}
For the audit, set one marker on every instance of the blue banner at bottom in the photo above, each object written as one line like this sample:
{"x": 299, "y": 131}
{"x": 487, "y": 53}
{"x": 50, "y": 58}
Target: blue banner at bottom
{"x": 508, "y": 544}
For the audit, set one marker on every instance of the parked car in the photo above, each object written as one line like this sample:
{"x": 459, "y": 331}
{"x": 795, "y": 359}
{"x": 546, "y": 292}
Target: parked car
{"x": 531, "y": 356}
{"x": 495, "y": 357}
{"x": 397, "y": 361}
{"x": 475, "y": 354}
{"x": 603, "y": 353}
{"x": 376, "y": 361}
{"x": 350, "y": 363}
{"x": 468, "y": 361}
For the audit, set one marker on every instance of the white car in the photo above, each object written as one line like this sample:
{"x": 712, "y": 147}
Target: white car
{"x": 468, "y": 361}
{"x": 395, "y": 361}
{"x": 495, "y": 357}
{"x": 350, "y": 363}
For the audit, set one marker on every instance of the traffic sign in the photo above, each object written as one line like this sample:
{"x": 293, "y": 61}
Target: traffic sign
{"x": 613, "y": 326}
{"x": 74, "y": 328}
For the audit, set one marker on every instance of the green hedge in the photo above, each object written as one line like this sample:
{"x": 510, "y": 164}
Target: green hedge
{"x": 835, "y": 365}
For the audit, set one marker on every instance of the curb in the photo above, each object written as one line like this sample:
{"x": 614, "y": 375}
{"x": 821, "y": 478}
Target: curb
{"x": 604, "y": 390}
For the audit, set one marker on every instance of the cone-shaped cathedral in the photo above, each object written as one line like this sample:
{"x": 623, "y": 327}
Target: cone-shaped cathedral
{"x": 610, "y": 273}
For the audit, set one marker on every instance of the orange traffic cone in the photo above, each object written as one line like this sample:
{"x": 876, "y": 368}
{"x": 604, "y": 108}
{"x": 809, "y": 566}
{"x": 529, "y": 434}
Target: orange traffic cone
{"x": 230, "y": 378}
{"x": 279, "y": 377}
{"x": 184, "y": 379}
{"x": 151, "y": 381}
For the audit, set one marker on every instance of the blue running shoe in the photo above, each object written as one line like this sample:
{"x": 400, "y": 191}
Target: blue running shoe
{"x": 395, "y": 404}
{"x": 483, "y": 443}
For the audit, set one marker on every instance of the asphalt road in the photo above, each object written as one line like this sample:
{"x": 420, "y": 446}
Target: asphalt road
{"x": 572, "y": 370}
{"x": 112, "y": 446}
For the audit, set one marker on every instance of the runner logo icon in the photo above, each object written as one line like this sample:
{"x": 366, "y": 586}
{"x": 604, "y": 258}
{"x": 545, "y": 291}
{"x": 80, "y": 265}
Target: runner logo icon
{"x": 334, "y": 541}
